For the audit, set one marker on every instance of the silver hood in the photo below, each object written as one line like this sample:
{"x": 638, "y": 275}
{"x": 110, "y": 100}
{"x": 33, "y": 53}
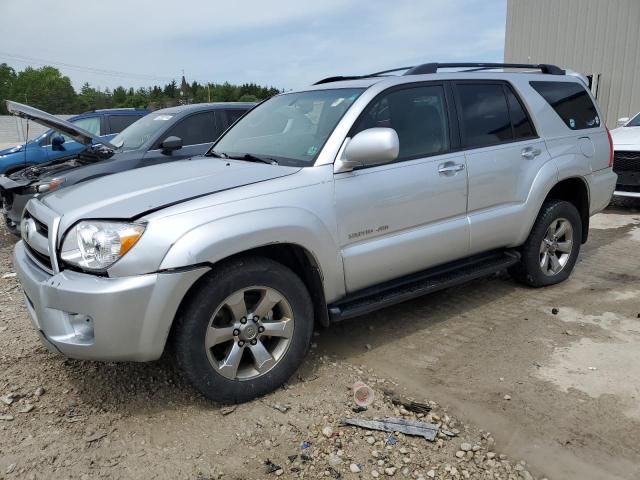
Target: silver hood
{"x": 129, "y": 194}
{"x": 50, "y": 121}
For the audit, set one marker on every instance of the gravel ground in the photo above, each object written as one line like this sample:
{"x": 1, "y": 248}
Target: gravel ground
{"x": 552, "y": 374}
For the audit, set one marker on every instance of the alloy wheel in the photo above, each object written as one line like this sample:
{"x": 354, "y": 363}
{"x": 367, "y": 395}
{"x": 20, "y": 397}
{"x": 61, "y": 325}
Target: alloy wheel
{"x": 249, "y": 333}
{"x": 556, "y": 247}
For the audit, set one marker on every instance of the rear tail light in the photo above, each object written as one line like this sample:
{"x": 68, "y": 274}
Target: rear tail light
{"x": 610, "y": 149}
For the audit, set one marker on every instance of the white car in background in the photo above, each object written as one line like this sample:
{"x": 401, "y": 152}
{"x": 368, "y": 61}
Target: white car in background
{"x": 626, "y": 163}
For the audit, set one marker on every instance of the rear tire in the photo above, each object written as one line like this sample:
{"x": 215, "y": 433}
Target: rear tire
{"x": 552, "y": 248}
{"x": 245, "y": 330}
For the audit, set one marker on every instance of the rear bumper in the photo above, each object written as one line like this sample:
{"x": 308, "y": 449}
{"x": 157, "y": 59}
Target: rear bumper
{"x": 601, "y": 186}
{"x": 96, "y": 318}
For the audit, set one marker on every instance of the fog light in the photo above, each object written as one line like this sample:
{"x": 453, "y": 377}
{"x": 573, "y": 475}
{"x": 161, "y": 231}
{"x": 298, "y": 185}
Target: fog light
{"x": 82, "y": 326}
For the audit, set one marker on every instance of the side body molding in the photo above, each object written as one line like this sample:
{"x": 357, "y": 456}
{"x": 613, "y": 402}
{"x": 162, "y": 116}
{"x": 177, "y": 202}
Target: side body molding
{"x": 227, "y": 236}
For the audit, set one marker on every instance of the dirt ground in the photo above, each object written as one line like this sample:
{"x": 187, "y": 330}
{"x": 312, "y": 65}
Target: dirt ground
{"x": 551, "y": 373}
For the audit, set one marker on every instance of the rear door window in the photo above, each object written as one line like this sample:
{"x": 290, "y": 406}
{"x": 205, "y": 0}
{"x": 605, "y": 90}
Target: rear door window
{"x": 484, "y": 114}
{"x": 571, "y": 102}
{"x": 417, "y": 114}
{"x": 117, "y": 123}
{"x": 194, "y": 130}
{"x": 522, "y": 127}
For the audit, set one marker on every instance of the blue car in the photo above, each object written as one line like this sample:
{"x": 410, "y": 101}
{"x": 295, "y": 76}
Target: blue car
{"x": 52, "y": 145}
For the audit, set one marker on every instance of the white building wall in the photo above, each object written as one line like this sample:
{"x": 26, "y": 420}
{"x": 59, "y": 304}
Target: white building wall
{"x": 599, "y": 37}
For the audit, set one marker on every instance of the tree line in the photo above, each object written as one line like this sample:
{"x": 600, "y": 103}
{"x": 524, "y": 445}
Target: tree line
{"x": 47, "y": 89}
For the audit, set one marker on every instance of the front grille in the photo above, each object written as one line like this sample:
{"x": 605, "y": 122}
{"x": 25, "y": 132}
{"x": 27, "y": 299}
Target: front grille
{"x": 626, "y": 162}
{"x": 37, "y": 241}
{"x": 43, "y": 260}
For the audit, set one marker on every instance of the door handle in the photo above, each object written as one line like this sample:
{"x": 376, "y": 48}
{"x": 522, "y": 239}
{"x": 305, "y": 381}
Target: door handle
{"x": 530, "y": 153}
{"x": 450, "y": 168}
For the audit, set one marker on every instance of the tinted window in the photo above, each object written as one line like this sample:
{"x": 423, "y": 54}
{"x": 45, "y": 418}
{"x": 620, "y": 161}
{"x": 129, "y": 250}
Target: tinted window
{"x": 195, "y": 129}
{"x": 117, "y": 123}
{"x": 522, "y": 127}
{"x": 233, "y": 115}
{"x": 485, "y": 115}
{"x": 419, "y": 117}
{"x": 571, "y": 102}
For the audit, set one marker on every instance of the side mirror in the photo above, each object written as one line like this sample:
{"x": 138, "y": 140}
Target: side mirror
{"x": 56, "y": 142}
{"x": 170, "y": 144}
{"x": 374, "y": 146}
{"x": 623, "y": 121}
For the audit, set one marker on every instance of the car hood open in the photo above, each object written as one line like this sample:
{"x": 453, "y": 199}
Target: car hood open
{"x": 50, "y": 121}
{"x": 132, "y": 193}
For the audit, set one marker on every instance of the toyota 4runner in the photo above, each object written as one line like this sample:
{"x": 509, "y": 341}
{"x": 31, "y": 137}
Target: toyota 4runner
{"x": 319, "y": 205}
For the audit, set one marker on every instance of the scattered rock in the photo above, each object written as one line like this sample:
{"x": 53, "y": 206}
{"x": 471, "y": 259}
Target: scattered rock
{"x": 281, "y": 408}
{"x": 26, "y": 408}
{"x": 431, "y": 473}
{"x": 228, "y": 410}
{"x": 375, "y": 474}
{"x": 8, "y": 399}
{"x": 555, "y": 311}
{"x": 371, "y": 440}
{"x": 11, "y": 468}
{"x": 39, "y": 392}
{"x": 95, "y": 437}
{"x": 460, "y": 454}
{"x": 9, "y": 275}
{"x": 355, "y": 468}
{"x": 507, "y": 397}
{"x": 327, "y": 431}
{"x": 465, "y": 447}
{"x": 279, "y": 472}
{"x": 367, "y": 346}
{"x": 390, "y": 471}
{"x": 272, "y": 467}
{"x": 6, "y": 418}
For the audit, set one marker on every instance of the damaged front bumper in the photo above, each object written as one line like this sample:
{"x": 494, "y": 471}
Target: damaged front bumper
{"x": 98, "y": 318}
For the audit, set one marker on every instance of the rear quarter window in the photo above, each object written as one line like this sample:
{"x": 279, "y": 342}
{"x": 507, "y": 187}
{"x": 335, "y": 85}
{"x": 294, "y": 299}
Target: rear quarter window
{"x": 571, "y": 102}
{"x": 117, "y": 123}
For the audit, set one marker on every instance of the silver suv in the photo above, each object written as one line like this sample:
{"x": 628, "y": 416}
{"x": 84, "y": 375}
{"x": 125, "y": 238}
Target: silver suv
{"x": 319, "y": 205}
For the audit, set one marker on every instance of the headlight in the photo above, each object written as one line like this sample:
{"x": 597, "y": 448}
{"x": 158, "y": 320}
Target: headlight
{"x": 96, "y": 245}
{"x": 46, "y": 186}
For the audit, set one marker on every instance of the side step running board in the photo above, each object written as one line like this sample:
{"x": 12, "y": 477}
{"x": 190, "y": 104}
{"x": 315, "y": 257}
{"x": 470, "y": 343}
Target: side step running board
{"x": 421, "y": 283}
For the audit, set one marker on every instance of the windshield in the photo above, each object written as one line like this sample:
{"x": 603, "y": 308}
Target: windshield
{"x": 289, "y": 128}
{"x": 140, "y": 131}
{"x": 635, "y": 122}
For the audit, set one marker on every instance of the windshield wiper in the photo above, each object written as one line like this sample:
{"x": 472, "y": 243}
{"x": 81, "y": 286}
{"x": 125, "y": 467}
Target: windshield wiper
{"x": 213, "y": 153}
{"x": 250, "y": 157}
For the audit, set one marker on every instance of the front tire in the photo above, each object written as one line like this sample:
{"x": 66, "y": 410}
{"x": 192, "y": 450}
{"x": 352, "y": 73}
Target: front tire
{"x": 245, "y": 330}
{"x": 551, "y": 251}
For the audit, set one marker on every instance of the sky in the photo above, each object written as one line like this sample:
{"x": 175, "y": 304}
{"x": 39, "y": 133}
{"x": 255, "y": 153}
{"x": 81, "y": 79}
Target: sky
{"x": 282, "y": 43}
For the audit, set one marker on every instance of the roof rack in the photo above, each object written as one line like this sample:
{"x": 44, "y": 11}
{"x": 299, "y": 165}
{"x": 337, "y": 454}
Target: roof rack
{"x": 427, "y": 68}
{"x": 475, "y": 67}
